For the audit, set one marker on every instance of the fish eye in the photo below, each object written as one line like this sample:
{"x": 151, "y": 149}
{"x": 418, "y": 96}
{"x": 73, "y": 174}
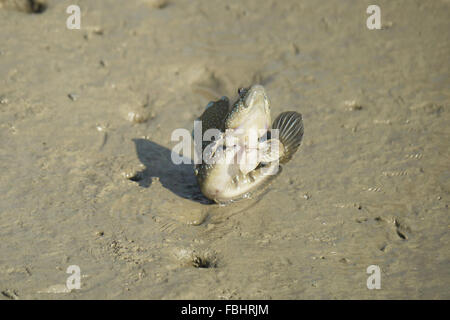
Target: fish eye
{"x": 242, "y": 92}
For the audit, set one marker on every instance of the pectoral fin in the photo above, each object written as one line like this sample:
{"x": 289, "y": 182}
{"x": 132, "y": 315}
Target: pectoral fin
{"x": 290, "y": 133}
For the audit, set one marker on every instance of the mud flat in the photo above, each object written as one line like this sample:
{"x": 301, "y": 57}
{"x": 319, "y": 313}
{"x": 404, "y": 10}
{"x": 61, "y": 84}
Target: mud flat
{"x": 86, "y": 118}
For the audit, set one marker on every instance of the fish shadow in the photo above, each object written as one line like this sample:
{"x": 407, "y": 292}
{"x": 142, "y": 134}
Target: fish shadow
{"x": 178, "y": 178}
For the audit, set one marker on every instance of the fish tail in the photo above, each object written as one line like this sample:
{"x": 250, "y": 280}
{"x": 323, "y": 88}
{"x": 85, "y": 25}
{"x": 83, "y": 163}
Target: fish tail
{"x": 290, "y": 126}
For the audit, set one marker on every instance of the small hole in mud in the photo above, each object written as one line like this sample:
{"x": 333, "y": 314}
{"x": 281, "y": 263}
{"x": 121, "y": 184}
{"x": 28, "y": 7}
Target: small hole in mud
{"x": 37, "y": 6}
{"x": 203, "y": 262}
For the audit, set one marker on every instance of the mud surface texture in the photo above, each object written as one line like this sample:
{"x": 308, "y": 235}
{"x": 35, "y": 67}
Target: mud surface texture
{"x": 86, "y": 118}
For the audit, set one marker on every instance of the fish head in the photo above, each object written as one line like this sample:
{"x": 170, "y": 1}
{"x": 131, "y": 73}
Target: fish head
{"x": 251, "y": 111}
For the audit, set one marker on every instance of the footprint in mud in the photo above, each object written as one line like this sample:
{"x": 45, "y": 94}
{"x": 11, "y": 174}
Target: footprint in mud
{"x": 400, "y": 228}
{"x": 28, "y": 6}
